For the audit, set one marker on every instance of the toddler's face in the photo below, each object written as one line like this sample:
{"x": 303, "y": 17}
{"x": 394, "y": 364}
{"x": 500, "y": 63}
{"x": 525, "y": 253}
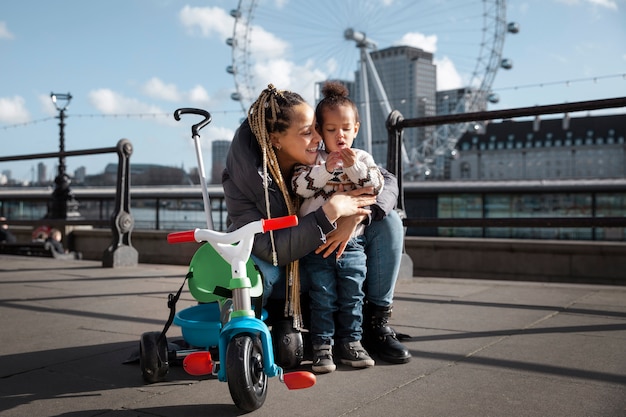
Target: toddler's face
{"x": 339, "y": 129}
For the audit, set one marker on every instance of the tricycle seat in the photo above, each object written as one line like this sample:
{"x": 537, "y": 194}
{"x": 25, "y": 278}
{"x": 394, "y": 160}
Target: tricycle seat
{"x": 209, "y": 270}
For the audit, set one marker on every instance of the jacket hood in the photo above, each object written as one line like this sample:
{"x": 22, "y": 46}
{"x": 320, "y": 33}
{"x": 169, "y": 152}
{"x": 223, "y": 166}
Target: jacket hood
{"x": 244, "y": 162}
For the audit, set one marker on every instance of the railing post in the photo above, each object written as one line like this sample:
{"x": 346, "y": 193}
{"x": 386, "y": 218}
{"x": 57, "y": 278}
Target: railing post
{"x": 394, "y": 151}
{"x": 121, "y": 252}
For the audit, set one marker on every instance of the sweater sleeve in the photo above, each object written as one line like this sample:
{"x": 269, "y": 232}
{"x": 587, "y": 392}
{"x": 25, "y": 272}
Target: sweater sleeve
{"x": 365, "y": 172}
{"x": 308, "y": 180}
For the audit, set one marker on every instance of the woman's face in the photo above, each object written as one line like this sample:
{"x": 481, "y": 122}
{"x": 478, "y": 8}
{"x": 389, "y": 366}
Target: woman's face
{"x": 300, "y": 142}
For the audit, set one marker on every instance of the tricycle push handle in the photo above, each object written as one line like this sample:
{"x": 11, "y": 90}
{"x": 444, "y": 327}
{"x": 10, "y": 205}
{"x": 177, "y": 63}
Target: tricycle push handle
{"x": 195, "y": 128}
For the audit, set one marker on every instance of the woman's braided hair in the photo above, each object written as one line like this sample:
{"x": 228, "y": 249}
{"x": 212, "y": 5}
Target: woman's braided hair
{"x": 272, "y": 113}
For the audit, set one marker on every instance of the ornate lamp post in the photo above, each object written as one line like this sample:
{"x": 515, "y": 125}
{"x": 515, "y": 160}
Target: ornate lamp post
{"x": 62, "y": 193}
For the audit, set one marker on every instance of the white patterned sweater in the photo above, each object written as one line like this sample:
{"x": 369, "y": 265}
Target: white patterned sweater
{"x": 315, "y": 184}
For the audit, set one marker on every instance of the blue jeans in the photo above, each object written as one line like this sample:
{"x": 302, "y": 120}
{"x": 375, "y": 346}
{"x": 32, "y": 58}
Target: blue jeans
{"x": 336, "y": 292}
{"x": 383, "y": 242}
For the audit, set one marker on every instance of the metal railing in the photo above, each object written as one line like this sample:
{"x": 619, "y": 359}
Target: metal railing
{"x": 149, "y": 205}
{"x": 180, "y": 208}
{"x": 159, "y": 201}
{"x": 120, "y": 252}
{"x": 396, "y": 123}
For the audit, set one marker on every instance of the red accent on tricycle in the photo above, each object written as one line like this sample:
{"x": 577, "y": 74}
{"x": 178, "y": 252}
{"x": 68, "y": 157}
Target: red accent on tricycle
{"x": 279, "y": 223}
{"x": 198, "y": 363}
{"x": 181, "y": 237}
{"x": 299, "y": 379}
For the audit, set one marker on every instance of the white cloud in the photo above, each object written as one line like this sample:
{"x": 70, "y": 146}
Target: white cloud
{"x": 448, "y": 77}
{"x": 206, "y": 21}
{"x": 266, "y": 45}
{"x": 419, "y": 40}
{"x": 199, "y": 95}
{"x": 112, "y": 103}
{"x": 156, "y": 88}
{"x": 609, "y": 4}
{"x": 269, "y": 65}
{"x": 5, "y": 33}
{"x": 13, "y": 110}
{"x": 281, "y": 3}
{"x": 277, "y": 71}
{"x": 212, "y": 132}
{"x": 287, "y": 75}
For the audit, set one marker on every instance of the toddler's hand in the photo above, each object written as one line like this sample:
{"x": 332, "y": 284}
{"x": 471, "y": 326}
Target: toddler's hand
{"x": 334, "y": 162}
{"x": 348, "y": 157}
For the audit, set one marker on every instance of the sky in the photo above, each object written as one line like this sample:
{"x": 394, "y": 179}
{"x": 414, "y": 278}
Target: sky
{"x": 128, "y": 64}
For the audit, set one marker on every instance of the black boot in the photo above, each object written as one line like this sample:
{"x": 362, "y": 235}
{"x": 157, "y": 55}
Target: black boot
{"x": 379, "y": 338}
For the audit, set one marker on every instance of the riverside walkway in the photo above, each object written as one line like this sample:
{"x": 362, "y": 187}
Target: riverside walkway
{"x": 480, "y": 348}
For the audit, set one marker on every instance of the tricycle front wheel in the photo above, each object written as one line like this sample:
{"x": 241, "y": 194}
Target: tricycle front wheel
{"x": 247, "y": 381}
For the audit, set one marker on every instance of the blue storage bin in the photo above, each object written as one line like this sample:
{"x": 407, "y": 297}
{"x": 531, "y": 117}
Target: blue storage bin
{"x": 200, "y": 324}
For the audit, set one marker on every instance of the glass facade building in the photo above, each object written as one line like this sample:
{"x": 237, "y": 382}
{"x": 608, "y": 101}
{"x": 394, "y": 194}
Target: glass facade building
{"x": 410, "y": 79}
{"x": 527, "y": 199}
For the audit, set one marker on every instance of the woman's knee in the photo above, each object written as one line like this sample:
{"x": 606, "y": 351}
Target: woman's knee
{"x": 387, "y": 232}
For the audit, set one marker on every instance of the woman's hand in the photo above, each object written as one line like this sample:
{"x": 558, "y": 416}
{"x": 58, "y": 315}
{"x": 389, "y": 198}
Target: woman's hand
{"x": 345, "y": 204}
{"x": 338, "y": 238}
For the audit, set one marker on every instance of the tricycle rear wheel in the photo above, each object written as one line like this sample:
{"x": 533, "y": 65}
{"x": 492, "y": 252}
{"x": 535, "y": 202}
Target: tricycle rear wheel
{"x": 247, "y": 381}
{"x": 288, "y": 345}
{"x": 153, "y": 357}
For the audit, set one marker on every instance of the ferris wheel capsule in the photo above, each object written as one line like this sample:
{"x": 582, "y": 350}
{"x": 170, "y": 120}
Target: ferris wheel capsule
{"x": 493, "y": 98}
{"x": 512, "y": 27}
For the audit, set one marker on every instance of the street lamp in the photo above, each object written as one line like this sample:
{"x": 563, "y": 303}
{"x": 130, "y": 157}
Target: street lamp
{"x": 61, "y": 194}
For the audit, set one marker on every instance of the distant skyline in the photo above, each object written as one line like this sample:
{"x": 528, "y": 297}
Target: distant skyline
{"x": 130, "y": 64}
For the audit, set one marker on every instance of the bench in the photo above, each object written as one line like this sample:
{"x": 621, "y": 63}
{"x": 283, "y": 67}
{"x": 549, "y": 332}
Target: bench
{"x": 44, "y": 249}
{"x": 27, "y": 249}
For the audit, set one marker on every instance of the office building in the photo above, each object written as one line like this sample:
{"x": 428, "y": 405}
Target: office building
{"x": 42, "y": 173}
{"x": 409, "y": 78}
{"x": 219, "y": 150}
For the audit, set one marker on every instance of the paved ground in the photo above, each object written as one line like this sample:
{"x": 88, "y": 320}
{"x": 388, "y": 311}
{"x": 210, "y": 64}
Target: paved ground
{"x": 480, "y": 348}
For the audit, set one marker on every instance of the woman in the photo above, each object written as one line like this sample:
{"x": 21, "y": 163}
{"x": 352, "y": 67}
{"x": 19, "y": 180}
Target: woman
{"x": 279, "y": 133}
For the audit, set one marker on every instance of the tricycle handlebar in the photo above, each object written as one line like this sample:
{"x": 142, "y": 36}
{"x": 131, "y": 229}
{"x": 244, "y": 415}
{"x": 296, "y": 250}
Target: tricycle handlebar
{"x": 181, "y": 237}
{"x": 259, "y": 226}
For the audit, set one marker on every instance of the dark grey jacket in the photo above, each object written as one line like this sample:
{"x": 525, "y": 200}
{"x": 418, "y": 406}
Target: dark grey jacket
{"x": 245, "y": 201}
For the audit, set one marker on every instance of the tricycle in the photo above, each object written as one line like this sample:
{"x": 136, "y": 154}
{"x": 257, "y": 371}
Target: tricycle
{"x": 229, "y": 316}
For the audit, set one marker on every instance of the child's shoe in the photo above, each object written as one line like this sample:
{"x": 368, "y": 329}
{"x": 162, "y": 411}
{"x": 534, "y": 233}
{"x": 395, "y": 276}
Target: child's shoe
{"x": 353, "y": 354}
{"x": 323, "y": 359}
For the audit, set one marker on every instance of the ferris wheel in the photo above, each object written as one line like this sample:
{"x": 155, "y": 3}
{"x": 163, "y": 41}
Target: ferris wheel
{"x": 296, "y": 44}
